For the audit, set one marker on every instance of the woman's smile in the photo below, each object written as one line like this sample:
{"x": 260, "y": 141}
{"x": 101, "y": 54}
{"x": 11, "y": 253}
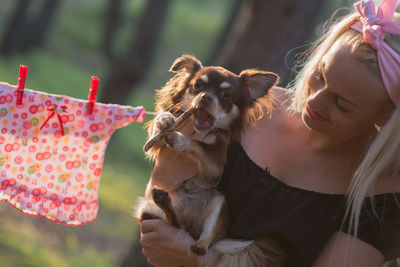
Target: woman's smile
{"x": 314, "y": 115}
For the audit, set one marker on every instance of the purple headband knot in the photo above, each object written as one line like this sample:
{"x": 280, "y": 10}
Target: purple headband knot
{"x": 373, "y": 25}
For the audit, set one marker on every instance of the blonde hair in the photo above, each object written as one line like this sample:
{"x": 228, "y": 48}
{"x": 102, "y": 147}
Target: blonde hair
{"x": 382, "y": 156}
{"x": 299, "y": 91}
{"x": 381, "y": 159}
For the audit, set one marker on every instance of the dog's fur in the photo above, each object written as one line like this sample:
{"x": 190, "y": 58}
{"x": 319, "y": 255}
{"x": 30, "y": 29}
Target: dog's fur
{"x": 221, "y": 102}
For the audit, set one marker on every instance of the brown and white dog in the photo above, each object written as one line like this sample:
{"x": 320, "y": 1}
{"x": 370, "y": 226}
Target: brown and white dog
{"x": 222, "y": 102}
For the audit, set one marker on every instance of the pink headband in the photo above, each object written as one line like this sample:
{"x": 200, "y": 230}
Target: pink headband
{"x": 373, "y": 25}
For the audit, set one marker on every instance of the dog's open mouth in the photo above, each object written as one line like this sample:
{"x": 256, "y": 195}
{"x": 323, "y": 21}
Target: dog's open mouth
{"x": 203, "y": 119}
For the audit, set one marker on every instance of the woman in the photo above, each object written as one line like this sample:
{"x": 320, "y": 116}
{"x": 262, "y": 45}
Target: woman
{"x": 338, "y": 140}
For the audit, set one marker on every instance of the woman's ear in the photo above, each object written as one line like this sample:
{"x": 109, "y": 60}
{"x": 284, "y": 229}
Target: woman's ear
{"x": 381, "y": 122}
{"x": 187, "y": 63}
{"x": 257, "y": 82}
{"x": 384, "y": 116}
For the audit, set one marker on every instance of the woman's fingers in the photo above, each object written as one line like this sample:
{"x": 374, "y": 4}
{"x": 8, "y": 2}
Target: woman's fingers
{"x": 149, "y": 225}
{"x": 150, "y": 239}
{"x": 165, "y": 245}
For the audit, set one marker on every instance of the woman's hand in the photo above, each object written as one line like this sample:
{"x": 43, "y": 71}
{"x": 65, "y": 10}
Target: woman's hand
{"x": 165, "y": 245}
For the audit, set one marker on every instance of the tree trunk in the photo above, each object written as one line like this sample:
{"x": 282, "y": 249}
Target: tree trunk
{"x": 14, "y": 36}
{"x": 227, "y": 29}
{"x": 127, "y": 71}
{"x": 266, "y": 31}
{"x": 24, "y": 33}
{"x": 113, "y": 20}
{"x": 135, "y": 258}
{"x": 39, "y": 27}
{"x": 130, "y": 68}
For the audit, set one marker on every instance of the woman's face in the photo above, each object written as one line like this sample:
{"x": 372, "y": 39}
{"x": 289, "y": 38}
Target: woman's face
{"x": 346, "y": 99}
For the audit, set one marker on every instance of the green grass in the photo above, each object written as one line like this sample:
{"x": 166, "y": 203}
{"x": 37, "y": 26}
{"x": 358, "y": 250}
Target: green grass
{"x": 118, "y": 190}
{"x": 21, "y": 244}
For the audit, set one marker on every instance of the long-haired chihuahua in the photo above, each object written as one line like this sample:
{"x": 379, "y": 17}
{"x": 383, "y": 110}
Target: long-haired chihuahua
{"x": 222, "y": 103}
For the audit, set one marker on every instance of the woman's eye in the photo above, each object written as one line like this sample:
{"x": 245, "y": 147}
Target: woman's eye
{"x": 339, "y": 106}
{"x": 318, "y": 76}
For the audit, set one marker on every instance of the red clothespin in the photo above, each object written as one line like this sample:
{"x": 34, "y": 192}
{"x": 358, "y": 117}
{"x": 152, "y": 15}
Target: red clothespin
{"x": 21, "y": 83}
{"x": 94, "y": 84}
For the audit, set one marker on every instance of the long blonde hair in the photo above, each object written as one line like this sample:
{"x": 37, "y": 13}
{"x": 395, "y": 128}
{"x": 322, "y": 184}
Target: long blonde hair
{"x": 382, "y": 156}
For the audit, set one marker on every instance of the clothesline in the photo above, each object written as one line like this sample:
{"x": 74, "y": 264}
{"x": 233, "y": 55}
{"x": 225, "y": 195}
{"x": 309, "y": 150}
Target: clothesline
{"x": 151, "y": 113}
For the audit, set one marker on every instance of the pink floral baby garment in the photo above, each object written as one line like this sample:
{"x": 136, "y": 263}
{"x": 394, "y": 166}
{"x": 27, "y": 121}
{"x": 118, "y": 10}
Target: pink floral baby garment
{"x": 52, "y": 151}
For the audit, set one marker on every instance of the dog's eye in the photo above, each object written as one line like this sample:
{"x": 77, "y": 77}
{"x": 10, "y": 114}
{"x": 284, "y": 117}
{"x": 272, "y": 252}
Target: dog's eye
{"x": 197, "y": 86}
{"x": 226, "y": 93}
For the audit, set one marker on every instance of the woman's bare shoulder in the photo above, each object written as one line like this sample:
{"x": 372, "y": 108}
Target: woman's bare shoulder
{"x": 276, "y": 119}
{"x": 281, "y": 103}
{"x": 263, "y": 136}
{"x": 280, "y": 93}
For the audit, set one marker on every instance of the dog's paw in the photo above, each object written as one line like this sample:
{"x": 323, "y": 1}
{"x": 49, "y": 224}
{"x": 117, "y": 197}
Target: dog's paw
{"x": 198, "y": 249}
{"x": 161, "y": 197}
{"x": 164, "y": 121}
{"x": 177, "y": 140}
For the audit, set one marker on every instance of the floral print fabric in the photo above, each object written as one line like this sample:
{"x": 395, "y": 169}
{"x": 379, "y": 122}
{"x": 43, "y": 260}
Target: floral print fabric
{"x": 52, "y": 151}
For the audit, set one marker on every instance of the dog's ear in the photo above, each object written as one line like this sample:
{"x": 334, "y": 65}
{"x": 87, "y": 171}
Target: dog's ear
{"x": 258, "y": 82}
{"x": 189, "y": 63}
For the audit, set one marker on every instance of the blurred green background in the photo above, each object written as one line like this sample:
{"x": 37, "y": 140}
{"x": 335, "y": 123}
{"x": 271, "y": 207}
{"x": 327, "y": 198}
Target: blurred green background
{"x": 71, "y": 55}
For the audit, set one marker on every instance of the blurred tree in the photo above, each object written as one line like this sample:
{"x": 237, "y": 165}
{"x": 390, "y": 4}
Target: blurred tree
{"x": 112, "y": 19}
{"x": 227, "y": 29}
{"x": 14, "y": 33}
{"x": 131, "y": 67}
{"x": 265, "y": 31}
{"x": 23, "y": 33}
{"x": 36, "y": 31}
{"x": 135, "y": 258}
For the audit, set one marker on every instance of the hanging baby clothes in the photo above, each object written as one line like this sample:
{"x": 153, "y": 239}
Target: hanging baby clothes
{"x": 52, "y": 151}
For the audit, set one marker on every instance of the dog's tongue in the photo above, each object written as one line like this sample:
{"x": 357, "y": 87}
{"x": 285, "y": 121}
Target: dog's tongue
{"x": 203, "y": 120}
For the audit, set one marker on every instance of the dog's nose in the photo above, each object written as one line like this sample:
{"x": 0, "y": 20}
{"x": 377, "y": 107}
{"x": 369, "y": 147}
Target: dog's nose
{"x": 206, "y": 99}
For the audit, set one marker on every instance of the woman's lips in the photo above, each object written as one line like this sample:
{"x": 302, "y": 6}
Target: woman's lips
{"x": 313, "y": 114}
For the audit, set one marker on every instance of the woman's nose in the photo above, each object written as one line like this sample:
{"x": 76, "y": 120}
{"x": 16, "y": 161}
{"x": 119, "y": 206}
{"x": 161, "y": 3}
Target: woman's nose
{"x": 320, "y": 97}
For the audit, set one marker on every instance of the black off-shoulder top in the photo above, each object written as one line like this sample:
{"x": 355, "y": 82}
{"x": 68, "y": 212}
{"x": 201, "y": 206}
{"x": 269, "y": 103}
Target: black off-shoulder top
{"x": 302, "y": 221}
